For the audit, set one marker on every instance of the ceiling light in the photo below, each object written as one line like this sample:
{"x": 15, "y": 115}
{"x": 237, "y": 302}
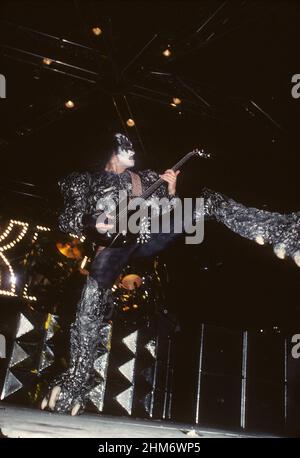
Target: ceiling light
{"x": 69, "y": 104}
{"x": 130, "y": 122}
{"x": 96, "y": 31}
{"x": 167, "y": 52}
{"x": 47, "y": 61}
{"x": 176, "y": 101}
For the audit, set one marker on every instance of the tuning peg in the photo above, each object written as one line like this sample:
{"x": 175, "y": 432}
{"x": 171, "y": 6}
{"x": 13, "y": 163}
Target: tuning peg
{"x": 201, "y": 153}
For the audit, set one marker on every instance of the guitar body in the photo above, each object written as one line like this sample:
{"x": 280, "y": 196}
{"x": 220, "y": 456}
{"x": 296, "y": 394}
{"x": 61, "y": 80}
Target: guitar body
{"x": 115, "y": 239}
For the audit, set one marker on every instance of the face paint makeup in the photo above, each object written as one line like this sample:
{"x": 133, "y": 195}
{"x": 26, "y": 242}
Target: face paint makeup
{"x": 125, "y": 151}
{"x": 126, "y": 158}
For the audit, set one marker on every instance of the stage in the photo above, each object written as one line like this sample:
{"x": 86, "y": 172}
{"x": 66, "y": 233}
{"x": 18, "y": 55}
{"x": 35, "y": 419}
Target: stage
{"x": 149, "y": 219}
{"x": 20, "y": 422}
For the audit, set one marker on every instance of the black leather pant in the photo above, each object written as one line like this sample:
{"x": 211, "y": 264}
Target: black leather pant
{"x": 109, "y": 263}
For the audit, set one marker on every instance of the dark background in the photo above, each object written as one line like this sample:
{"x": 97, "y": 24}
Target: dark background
{"x": 224, "y": 55}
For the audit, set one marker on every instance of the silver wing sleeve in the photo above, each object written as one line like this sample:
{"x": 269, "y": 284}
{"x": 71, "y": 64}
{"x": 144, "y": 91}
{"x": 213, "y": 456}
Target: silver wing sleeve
{"x": 281, "y": 231}
{"x": 75, "y": 190}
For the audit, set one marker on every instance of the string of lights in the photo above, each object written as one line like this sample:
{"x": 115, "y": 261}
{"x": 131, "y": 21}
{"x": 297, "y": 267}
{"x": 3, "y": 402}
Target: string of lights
{"x": 25, "y": 226}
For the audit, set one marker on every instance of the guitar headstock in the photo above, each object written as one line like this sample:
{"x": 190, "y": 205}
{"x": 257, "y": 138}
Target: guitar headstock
{"x": 200, "y": 153}
{"x": 195, "y": 152}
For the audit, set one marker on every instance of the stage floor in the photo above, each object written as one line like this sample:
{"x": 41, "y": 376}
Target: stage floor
{"x": 23, "y": 422}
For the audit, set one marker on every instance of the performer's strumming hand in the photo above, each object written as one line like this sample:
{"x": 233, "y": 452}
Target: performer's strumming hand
{"x": 171, "y": 178}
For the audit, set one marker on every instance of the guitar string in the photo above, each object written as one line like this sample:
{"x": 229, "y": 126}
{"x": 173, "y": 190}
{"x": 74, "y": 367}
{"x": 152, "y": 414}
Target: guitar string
{"x": 158, "y": 182}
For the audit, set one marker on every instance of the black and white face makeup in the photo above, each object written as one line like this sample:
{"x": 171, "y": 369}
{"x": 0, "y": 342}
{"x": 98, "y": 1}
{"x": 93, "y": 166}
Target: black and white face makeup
{"x": 125, "y": 151}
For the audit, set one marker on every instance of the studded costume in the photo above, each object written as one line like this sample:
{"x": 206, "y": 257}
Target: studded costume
{"x": 81, "y": 192}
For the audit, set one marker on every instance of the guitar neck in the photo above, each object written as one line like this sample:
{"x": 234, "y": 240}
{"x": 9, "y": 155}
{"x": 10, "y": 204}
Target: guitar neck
{"x": 160, "y": 181}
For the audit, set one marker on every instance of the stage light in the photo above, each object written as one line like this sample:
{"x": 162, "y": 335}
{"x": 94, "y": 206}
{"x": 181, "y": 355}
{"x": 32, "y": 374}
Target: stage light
{"x": 43, "y": 228}
{"x": 8, "y": 246}
{"x": 173, "y": 104}
{"x": 47, "y": 61}
{"x": 177, "y": 101}
{"x": 69, "y": 104}
{"x": 130, "y": 122}
{"x": 167, "y": 52}
{"x": 7, "y": 231}
{"x": 12, "y": 292}
{"x": 74, "y": 236}
{"x": 84, "y": 261}
{"x": 96, "y": 31}
{"x": 13, "y": 223}
{"x": 25, "y": 295}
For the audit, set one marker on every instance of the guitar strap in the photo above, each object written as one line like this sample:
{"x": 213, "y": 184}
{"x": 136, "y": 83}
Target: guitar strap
{"x": 137, "y": 190}
{"x": 136, "y": 181}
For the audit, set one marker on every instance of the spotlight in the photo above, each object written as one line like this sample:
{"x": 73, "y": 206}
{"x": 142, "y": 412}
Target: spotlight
{"x": 177, "y": 101}
{"x": 167, "y": 52}
{"x": 69, "y": 104}
{"x": 130, "y": 122}
{"x": 173, "y": 104}
{"x": 96, "y": 31}
{"x": 47, "y": 61}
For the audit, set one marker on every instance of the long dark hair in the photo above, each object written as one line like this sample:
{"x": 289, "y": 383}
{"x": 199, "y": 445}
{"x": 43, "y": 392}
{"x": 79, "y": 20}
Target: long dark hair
{"x": 103, "y": 145}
